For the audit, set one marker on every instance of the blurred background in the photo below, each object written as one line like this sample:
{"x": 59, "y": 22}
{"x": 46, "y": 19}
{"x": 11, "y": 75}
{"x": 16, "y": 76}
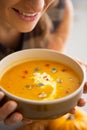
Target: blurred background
{"x": 78, "y": 40}
{"x": 77, "y": 43}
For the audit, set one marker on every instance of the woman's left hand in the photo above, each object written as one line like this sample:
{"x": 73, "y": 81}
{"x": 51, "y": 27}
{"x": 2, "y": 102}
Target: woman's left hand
{"x": 82, "y": 101}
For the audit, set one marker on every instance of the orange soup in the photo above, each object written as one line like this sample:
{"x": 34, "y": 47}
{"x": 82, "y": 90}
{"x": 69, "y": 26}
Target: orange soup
{"x": 40, "y": 80}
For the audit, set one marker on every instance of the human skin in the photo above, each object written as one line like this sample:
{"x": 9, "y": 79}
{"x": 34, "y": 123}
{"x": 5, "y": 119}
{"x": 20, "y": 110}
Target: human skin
{"x": 18, "y": 16}
{"x": 12, "y": 13}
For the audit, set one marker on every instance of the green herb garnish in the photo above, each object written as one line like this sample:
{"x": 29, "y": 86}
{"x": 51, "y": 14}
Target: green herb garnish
{"x": 28, "y": 86}
{"x": 53, "y": 70}
{"x": 42, "y": 95}
{"x": 40, "y": 84}
{"x": 37, "y": 69}
{"x": 59, "y": 80}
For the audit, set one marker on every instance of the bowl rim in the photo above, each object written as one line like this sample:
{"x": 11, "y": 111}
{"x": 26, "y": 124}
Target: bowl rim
{"x": 46, "y": 101}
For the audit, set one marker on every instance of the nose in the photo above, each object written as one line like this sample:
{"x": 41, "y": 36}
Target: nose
{"x": 36, "y": 5}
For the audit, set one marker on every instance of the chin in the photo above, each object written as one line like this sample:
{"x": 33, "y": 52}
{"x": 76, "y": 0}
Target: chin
{"x": 26, "y": 29}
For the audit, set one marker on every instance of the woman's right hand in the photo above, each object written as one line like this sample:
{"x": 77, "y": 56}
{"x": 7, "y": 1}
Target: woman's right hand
{"x": 7, "y": 112}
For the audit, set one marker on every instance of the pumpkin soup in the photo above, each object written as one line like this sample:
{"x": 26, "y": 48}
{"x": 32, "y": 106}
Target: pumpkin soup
{"x": 40, "y": 80}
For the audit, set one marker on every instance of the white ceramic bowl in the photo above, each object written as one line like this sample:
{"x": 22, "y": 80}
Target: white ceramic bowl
{"x": 46, "y": 109}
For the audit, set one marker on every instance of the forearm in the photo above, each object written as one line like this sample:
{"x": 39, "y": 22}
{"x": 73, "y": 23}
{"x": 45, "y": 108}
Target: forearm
{"x": 63, "y": 31}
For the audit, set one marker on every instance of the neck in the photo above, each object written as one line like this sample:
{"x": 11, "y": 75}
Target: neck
{"x": 8, "y": 36}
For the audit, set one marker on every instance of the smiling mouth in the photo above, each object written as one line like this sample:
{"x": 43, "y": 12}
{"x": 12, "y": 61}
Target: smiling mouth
{"x": 25, "y": 14}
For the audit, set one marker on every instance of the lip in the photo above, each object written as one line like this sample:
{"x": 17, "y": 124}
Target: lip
{"x": 26, "y": 16}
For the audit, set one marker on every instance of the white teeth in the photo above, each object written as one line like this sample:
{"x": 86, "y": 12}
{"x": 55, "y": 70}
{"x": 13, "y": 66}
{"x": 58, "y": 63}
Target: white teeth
{"x": 27, "y": 14}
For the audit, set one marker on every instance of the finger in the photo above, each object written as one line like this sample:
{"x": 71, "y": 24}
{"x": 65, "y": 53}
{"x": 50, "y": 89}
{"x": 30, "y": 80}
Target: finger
{"x": 27, "y": 121}
{"x": 1, "y": 95}
{"x": 72, "y": 111}
{"x": 81, "y": 102}
{"x": 7, "y": 109}
{"x": 13, "y": 119}
{"x": 82, "y": 63}
{"x": 85, "y": 88}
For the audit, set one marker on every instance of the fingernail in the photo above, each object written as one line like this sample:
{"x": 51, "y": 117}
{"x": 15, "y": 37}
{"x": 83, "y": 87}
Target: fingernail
{"x": 27, "y": 121}
{"x": 1, "y": 95}
{"x": 12, "y": 105}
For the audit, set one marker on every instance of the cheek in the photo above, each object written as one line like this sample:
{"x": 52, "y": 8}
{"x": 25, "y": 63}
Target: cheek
{"x": 8, "y": 3}
{"x": 5, "y": 5}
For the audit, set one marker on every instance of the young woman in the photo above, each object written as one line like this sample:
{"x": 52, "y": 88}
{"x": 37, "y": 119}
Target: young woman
{"x": 32, "y": 24}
